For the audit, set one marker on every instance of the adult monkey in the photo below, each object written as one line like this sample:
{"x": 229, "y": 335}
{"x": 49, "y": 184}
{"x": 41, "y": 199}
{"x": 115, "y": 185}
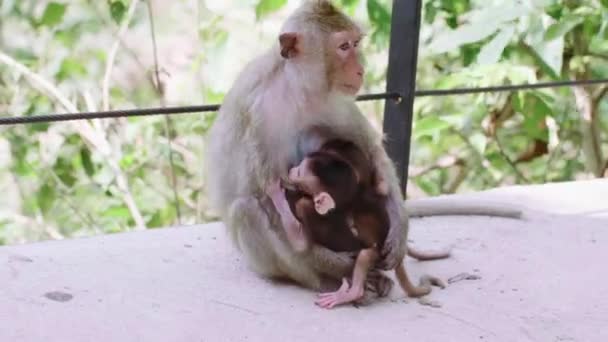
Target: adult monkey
{"x": 310, "y": 77}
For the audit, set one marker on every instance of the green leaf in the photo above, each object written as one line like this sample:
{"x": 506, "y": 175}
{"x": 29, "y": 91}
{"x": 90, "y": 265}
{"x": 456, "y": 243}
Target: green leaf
{"x": 87, "y": 164}
{"x": 536, "y": 112}
{"x": 45, "y": 198}
{"x": 71, "y": 67}
{"x": 265, "y": 7}
{"x": 549, "y": 54}
{"x": 380, "y": 17}
{"x": 429, "y": 125}
{"x": 65, "y": 172}
{"x": 562, "y": 27}
{"x": 348, "y": 5}
{"x": 117, "y": 10}
{"x": 479, "y": 142}
{"x": 53, "y": 14}
{"x": 492, "y": 51}
{"x": 604, "y": 3}
{"x": 120, "y": 212}
{"x": 430, "y": 12}
{"x": 483, "y": 24}
{"x": 377, "y": 13}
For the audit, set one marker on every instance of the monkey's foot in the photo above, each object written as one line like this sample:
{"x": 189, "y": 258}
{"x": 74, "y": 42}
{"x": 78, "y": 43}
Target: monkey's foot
{"x": 345, "y": 294}
{"x": 378, "y": 283}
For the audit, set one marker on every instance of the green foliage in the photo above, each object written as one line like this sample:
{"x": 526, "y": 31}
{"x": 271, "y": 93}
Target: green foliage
{"x": 63, "y": 184}
{"x": 117, "y": 10}
{"x": 265, "y": 7}
{"x": 53, "y": 14}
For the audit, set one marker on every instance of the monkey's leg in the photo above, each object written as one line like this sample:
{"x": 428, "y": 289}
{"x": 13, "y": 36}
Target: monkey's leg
{"x": 395, "y": 246}
{"x": 346, "y": 293}
{"x": 267, "y": 253}
{"x": 422, "y": 289}
{"x": 251, "y": 223}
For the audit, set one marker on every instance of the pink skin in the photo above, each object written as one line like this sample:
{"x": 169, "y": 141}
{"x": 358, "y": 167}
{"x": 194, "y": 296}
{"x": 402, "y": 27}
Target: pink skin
{"x": 346, "y": 43}
{"x": 345, "y": 294}
{"x": 293, "y": 228}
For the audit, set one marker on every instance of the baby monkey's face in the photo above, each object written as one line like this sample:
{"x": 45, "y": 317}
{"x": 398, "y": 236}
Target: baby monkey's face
{"x": 304, "y": 178}
{"x": 307, "y": 181}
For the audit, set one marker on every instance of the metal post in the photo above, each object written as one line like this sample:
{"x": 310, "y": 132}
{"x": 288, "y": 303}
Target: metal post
{"x": 401, "y": 78}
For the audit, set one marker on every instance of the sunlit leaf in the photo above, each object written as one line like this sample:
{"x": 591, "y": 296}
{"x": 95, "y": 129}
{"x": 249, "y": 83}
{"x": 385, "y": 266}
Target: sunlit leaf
{"x": 549, "y": 54}
{"x": 429, "y": 125}
{"x": 53, "y": 14}
{"x": 117, "y": 212}
{"x": 265, "y": 7}
{"x": 485, "y": 24}
{"x": 492, "y": 51}
{"x": 71, "y": 67}
{"x": 479, "y": 142}
{"x": 562, "y": 27}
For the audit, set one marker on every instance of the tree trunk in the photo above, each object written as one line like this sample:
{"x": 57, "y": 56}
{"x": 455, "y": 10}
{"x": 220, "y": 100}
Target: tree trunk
{"x": 590, "y": 131}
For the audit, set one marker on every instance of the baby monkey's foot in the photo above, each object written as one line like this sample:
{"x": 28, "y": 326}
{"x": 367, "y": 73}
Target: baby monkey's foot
{"x": 345, "y": 294}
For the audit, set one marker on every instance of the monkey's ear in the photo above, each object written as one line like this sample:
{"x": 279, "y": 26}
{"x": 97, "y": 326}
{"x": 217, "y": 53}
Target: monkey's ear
{"x": 324, "y": 203}
{"x": 288, "y": 42}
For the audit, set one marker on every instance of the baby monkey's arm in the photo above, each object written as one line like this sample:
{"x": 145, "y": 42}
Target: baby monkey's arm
{"x": 293, "y": 228}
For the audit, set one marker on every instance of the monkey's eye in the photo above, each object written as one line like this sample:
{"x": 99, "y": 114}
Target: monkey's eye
{"x": 345, "y": 46}
{"x": 356, "y": 43}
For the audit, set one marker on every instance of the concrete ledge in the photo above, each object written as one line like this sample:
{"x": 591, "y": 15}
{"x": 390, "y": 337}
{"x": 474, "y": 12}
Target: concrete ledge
{"x": 542, "y": 279}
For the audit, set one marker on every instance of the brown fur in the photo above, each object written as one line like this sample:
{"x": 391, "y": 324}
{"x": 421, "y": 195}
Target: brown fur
{"x": 359, "y": 222}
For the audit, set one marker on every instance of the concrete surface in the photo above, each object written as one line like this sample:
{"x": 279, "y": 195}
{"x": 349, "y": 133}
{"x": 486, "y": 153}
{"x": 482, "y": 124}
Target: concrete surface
{"x": 542, "y": 279}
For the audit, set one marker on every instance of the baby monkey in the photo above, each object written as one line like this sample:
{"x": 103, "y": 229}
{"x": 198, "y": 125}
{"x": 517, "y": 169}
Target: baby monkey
{"x": 336, "y": 201}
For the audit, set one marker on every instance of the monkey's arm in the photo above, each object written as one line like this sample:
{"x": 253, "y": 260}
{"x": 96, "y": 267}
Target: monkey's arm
{"x": 345, "y": 294}
{"x": 294, "y": 231}
{"x": 394, "y": 248}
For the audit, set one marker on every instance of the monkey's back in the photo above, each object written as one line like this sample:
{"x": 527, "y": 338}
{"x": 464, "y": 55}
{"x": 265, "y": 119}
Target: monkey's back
{"x": 370, "y": 218}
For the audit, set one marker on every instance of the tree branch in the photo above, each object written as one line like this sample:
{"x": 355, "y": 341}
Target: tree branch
{"x": 105, "y": 89}
{"x": 599, "y": 94}
{"x": 84, "y": 128}
{"x": 160, "y": 90}
{"x": 590, "y": 130}
{"x": 509, "y": 161}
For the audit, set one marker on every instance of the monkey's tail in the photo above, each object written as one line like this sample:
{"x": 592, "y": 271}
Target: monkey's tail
{"x": 452, "y": 207}
{"x": 426, "y": 256}
{"x": 422, "y": 289}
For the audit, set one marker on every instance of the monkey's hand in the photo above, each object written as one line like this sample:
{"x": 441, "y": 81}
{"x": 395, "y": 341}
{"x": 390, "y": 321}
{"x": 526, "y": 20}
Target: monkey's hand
{"x": 345, "y": 294}
{"x": 394, "y": 248}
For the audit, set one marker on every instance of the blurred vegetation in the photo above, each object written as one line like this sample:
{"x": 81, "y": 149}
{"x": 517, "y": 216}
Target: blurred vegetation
{"x": 82, "y": 178}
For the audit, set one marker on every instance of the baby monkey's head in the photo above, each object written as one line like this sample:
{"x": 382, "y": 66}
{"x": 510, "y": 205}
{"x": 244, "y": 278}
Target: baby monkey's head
{"x": 328, "y": 178}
